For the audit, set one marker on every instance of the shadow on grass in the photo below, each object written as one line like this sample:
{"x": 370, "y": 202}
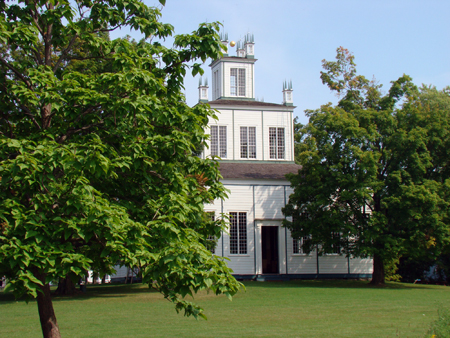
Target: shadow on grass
{"x": 125, "y": 290}
{"x": 337, "y": 283}
{"x": 92, "y": 291}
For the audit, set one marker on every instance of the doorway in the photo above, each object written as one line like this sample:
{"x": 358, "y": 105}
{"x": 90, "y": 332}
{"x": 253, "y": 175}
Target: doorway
{"x": 269, "y": 249}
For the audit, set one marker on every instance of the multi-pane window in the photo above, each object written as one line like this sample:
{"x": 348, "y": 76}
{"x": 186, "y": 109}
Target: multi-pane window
{"x": 212, "y": 238}
{"x": 238, "y": 233}
{"x": 237, "y": 82}
{"x": 204, "y": 93}
{"x": 248, "y": 142}
{"x": 219, "y": 141}
{"x": 336, "y": 245}
{"x": 297, "y": 245}
{"x": 276, "y": 143}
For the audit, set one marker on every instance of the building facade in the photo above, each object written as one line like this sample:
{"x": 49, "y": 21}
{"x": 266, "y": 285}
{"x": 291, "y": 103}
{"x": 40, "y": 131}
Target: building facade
{"x": 255, "y": 143}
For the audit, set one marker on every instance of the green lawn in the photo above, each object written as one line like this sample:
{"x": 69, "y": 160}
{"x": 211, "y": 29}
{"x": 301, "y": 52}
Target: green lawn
{"x": 266, "y": 309}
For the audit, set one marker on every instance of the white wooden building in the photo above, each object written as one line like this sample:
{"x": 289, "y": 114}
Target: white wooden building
{"x": 255, "y": 143}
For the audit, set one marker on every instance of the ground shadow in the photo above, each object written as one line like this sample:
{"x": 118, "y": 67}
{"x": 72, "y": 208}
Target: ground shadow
{"x": 92, "y": 291}
{"x": 337, "y": 283}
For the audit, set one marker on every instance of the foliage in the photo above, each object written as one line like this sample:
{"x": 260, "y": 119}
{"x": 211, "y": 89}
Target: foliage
{"x": 96, "y": 149}
{"x": 375, "y": 169}
{"x": 440, "y": 328}
{"x": 391, "y": 270}
{"x": 427, "y": 269}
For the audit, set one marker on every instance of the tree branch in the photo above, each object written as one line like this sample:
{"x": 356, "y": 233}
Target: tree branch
{"x": 35, "y": 18}
{"x": 70, "y": 132}
{"x": 15, "y": 71}
{"x": 92, "y": 57}
{"x": 37, "y": 56}
{"x": 28, "y": 113}
{"x": 47, "y": 37}
{"x": 65, "y": 51}
{"x": 154, "y": 173}
{"x": 25, "y": 109}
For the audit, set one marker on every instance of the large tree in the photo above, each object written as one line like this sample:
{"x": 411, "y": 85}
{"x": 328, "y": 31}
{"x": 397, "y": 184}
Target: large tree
{"x": 96, "y": 151}
{"x": 375, "y": 169}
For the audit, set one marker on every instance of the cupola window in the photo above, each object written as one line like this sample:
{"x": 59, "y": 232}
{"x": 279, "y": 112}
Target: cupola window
{"x": 237, "y": 82}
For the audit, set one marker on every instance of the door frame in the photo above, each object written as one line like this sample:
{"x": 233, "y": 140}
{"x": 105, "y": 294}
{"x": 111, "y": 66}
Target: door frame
{"x": 259, "y": 223}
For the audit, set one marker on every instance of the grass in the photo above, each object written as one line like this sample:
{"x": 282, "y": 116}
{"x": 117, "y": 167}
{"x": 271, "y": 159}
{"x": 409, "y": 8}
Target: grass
{"x": 271, "y": 309}
{"x": 440, "y": 328}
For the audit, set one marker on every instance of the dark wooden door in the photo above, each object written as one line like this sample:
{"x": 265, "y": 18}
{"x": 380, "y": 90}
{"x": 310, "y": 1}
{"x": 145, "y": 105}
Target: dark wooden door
{"x": 269, "y": 249}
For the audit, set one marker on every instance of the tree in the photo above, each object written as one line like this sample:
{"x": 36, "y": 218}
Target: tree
{"x": 96, "y": 152}
{"x": 374, "y": 176}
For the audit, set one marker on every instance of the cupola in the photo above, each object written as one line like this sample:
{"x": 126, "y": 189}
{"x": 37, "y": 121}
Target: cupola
{"x": 203, "y": 90}
{"x": 240, "y": 51}
{"x": 224, "y": 40}
{"x": 249, "y": 46}
{"x": 287, "y": 93}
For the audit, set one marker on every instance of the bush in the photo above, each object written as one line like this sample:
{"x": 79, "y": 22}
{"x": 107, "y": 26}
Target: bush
{"x": 440, "y": 328}
{"x": 390, "y": 270}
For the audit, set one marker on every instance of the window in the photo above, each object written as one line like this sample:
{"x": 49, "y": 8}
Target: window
{"x": 276, "y": 143}
{"x": 238, "y": 233}
{"x": 219, "y": 141}
{"x": 297, "y": 245}
{"x": 212, "y": 238}
{"x": 203, "y": 94}
{"x": 248, "y": 142}
{"x": 216, "y": 85}
{"x": 237, "y": 82}
{"x": 336, "y": 245}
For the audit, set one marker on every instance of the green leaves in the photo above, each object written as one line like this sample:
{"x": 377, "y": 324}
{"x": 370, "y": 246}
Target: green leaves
{"x": 97, "y": 150}
{"x": 371, "y": 170}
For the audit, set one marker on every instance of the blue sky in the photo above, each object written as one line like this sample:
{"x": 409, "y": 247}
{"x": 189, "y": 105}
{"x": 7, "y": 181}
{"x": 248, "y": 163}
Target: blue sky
{"x": 292, "y": 37}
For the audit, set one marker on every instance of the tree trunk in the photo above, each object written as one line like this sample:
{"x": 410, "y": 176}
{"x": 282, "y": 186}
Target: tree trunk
{"x": 47, "y": 316}
{"x": 378, "y": 271}
{"x": 65, "y": 287}
{"x": 128, "y": 273}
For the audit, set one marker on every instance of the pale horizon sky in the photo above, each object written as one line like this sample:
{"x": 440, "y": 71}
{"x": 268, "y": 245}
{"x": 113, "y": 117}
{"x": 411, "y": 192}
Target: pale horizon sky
{"x": 388, "y": 39}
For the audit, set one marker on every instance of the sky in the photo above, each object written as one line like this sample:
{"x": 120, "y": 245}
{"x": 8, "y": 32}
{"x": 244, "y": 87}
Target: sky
{"x": 388, "y": 38}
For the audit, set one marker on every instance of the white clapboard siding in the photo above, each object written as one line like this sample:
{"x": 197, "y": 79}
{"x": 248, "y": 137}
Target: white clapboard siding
{"x": 244, "y": 118}
{"x": 278, "y": 119}
{"x": 262, "y": 120}
{"x": 249, "y": 89}
{"x": 225, "y": 120}
{"x": 268, "y": 202}
{"x": 329, "y": 264}
{"x": 121, "y": 272}
{"x": 300, "y": 263}
{"x": 216, "y": 208}
{"x": 361, "y": 265}
{"x": 217, "y": 94}
{"x": 241, "y": 200}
